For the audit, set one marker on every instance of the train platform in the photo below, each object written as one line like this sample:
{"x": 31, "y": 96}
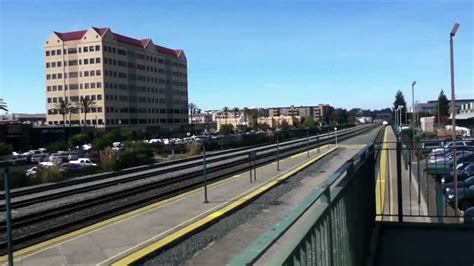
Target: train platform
{"x": 123, "y": 236}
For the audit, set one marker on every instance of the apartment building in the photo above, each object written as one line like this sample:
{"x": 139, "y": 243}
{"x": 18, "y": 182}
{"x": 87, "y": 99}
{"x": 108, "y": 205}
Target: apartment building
{"x": 135, "y": 83}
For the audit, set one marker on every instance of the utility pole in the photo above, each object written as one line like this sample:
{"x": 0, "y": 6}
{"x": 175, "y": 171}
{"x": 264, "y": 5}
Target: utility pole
{"x": 453, "y": 115}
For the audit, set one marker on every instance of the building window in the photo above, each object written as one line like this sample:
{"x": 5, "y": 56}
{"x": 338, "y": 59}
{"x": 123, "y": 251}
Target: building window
{"x": 121, "y": 52}
{"x": 99, "y": 96}
{"x": 86, "y": 73}
{"x": 92, "y": 85}
{"x": 97, "y": 48}
{"x": 47, "y": 53}
{"x": 58, "y": 52}
{"x": 97, "y": 60}
{"x": 59, "y": 62}
{"x": 91, "y": 48}
{"x": 55, "y": 100}
{"x": 48, "y": 88}
{"x": 47, "y": 65}
{"x": 60, "y": 76}
{"x": 79, "y": 49}
{"x": 99, "y": 84}
{"x": 93, "y": 97}
{"x": 60, "y": 87}
{"x": 49, "y": 100}
{"x": 86, "y": 85}
{"x": 86, "y": 61}
{"x": 72, "y": 63}
{"x": 97, "y": 72}
{"x": 72, "y": 50}
{"x": 53, "y": 76}
{"x": 92, "y": 73}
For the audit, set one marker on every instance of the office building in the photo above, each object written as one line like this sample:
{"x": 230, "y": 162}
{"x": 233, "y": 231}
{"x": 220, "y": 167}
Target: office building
{"x": 135, "y": 83}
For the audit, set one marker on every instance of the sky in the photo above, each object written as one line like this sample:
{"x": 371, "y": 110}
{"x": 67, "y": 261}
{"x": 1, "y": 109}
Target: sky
{"x": 261, "y": 53}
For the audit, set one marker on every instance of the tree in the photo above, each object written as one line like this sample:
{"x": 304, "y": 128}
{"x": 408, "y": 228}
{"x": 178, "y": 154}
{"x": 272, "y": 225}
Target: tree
{"x": 285, "y": 125}
{"x": 192, "y": 110}
{"x": 254, "y": 118}
{"x": 400, "y": 100}
{"x": 309, "y": 122}
{"x": 3, "y": 105}
{"x": 235, "y": 110}
{"x": 5, "y": 149}
{"x": 226, "y": 129}
{"x": 225, "y": 110}
{"x": 246, "y": 115}
{"x": 442, "y": 106}
{"x": 86, "y": 104}
{"x": 63, "y": 108}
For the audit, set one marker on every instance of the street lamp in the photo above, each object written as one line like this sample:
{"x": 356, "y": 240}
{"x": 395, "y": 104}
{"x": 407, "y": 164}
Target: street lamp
{"x": 413, "y": 115}
{"x": 453, "y": 115}
{"x": 335, "y": 134}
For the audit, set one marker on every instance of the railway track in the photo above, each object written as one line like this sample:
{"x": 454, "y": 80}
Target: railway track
{"x": 161, "y": 183}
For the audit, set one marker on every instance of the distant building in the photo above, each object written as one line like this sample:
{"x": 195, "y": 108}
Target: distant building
{"x": 322, "y": 113}
{"x": 35, "y": 119}
{"x": 430, "y": 107}
{"x": 427, "y": 124}
{"x": 135, "y": 83}
{"x": 277, "y": 121}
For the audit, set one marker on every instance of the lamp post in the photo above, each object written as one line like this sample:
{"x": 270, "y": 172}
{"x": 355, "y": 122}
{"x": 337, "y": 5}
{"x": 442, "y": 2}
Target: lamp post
{"x": 335, "y": 134}
{"x": 453, "y": 114}
{"x": 413, "y": 117}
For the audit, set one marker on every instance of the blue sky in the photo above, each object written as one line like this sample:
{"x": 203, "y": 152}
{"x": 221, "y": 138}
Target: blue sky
{"x": 261, "y": 53}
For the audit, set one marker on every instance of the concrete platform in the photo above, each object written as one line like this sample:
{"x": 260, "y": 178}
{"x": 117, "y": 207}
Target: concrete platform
{"x": 223, "y": 250}
{"x": 112, "y": 239}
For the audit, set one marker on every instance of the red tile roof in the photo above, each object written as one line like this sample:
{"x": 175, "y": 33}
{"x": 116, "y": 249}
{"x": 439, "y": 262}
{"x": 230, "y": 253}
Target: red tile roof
{"x": 76, "y": 35}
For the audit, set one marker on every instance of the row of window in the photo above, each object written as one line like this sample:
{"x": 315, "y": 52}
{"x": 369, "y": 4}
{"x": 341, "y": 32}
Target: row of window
{"x": 97, "y": 97}
{"x": 122, "y": 75}
{"x": 120, "y": 63}
{"x": 145, "y": 57}
{"x": 142, "y": 89}
{"x": 76, "y": 111}
{"x": 122, "y": 121}
{"x": 80, "y": 74}
{"x": 77, "y": 122}
{"x": 53, "y": 64}
{"x": 133, "y": 110}
{"x": 73, "y": 50}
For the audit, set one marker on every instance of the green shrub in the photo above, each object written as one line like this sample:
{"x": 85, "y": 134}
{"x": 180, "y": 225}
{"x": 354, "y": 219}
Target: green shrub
{"x": 79, "y": 139}
{"x": 193, "y": 149}
{"x": 49, "y": 174}
{"x": 5, "y": 149}
{"x": 135, "y": 154}
{"x": 57, "y": 146}
{"x": 108, "y": 159}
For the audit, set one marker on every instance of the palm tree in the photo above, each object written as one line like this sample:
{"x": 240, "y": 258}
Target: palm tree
{"x": 235, "y": 110}
{"x": 3, "y": 105}
{"x": 85, "y": 104}
{"x": 226, "y": 112}
{"x": 192, "y": 109}
{"x": 63, "y": 108}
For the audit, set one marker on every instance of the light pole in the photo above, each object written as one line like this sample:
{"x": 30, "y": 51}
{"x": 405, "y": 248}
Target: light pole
{"x": 278, "y": 150}
{"x": 8, "y": 215}
{"x": 453, "y": 115}
{"x": 413, "y": 117}
{"x": 335, "y": 134}
{"x": 438, "y": 111}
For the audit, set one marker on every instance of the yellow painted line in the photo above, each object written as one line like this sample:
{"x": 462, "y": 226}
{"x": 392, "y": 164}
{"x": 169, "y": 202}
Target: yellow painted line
{"x": 153, "y": 247}
{"x": 381, "y": 179}
{"x": 36, "y": 248}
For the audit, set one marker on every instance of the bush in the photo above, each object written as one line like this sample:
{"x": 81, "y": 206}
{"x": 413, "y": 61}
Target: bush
{"x": 5, "y": 149}
{"x": 108, "y": 159}
{"x": 135, "y": 154}
{"x": 226, "y": 129}
{"x": 79, "y": 139}
{"x": 102, "y": 142}
{"x": 193, "y": 149}
{"x": 57, "y": 146}
{"x": 49, "y": 174}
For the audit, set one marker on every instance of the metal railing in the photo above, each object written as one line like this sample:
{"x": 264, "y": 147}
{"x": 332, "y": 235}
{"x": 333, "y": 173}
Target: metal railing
{"x": 416, "y": 184}
{"x": 338, "y": 223}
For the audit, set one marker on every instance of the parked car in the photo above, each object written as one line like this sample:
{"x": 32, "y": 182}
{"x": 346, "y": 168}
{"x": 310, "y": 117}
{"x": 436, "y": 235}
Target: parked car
{"x": 59, "y": 158}
{"x": 83, "y": 162}
{"x": 18, "y": 159}
{"x": 467, "y": 182}
{"x": 464, "y": 171}
{"x": 40, "y": 157}
{"x": 469, "y": 216}
{"x": 32, "y": 171}
{"x": 465, "y": 197}
{"x": 444, "y": 167}
{"x": 428, "y": 146}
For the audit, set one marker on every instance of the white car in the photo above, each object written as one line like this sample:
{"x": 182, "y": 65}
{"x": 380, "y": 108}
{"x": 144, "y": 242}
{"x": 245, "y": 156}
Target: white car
{"x": 32, "y": 171}
{"x": 83, "y": 162}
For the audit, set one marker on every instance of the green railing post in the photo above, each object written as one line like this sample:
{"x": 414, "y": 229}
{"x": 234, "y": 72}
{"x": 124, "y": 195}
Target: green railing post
{"x": 8, "y": 216}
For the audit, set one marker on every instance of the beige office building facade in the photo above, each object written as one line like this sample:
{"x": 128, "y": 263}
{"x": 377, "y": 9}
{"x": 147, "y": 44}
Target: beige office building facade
{"x": 134, "y": 83}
